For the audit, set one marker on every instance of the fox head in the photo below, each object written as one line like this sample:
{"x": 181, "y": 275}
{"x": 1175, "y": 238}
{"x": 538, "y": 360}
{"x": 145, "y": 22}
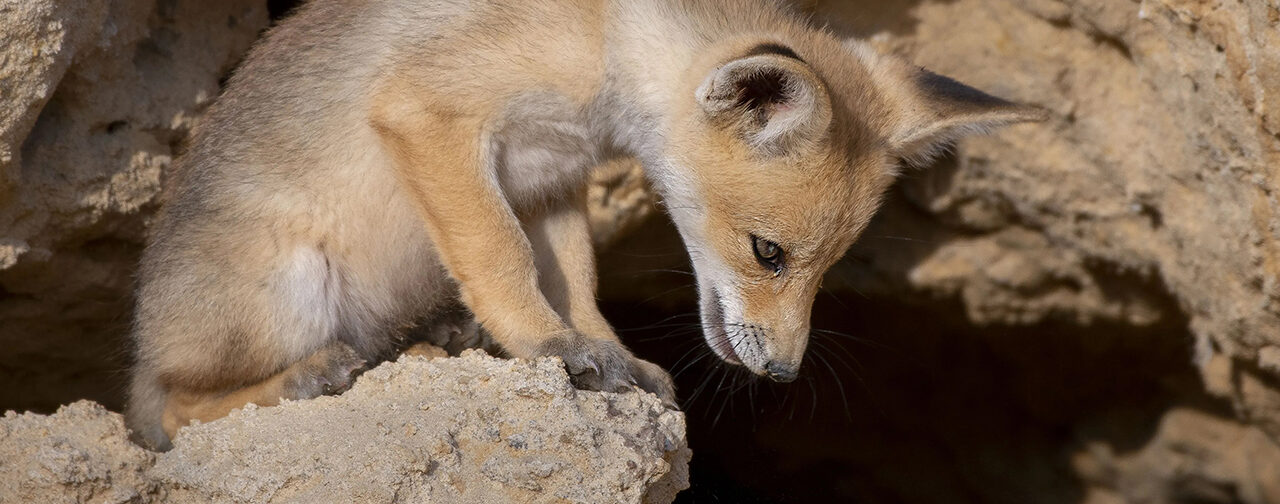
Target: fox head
{"x": 778, "y": 156}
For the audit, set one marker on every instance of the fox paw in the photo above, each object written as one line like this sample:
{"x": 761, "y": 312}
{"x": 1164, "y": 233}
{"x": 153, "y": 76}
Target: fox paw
{"x": 593, "y": 364}
{"x": 606, "y": 365}
{"x": 655, "y": 380}
{"x": 329, "y": 371}
{"x": 454, "y": 331}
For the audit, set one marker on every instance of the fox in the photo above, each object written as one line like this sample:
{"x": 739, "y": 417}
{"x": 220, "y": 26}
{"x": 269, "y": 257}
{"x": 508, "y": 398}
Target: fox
{"x": 372, "y": 162}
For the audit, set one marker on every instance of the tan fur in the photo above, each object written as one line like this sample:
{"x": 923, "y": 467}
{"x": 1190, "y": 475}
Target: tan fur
{"x": 375, "y": 160}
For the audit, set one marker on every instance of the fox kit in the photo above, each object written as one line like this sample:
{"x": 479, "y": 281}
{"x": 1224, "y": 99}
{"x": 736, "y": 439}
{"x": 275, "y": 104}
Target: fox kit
{"x": 373, "y": 161}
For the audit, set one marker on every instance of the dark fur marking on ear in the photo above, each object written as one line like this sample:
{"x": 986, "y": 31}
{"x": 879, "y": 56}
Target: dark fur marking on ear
{"x": 957, "y": 95}
{"x": 761, "y": 93}
{"x": 775, "y": 49}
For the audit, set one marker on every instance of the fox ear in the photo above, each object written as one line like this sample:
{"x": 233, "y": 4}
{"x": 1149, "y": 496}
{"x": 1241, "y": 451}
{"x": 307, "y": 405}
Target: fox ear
{"x": 776, "y": 102}
{"x": 939, "y": 111}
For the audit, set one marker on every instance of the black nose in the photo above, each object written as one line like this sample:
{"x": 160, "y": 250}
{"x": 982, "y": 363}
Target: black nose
{"x": 780, "y": 372}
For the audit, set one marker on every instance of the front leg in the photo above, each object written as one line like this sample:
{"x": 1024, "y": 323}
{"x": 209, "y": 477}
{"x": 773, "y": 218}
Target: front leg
{"x": 440, "y": 158}
{"x": 565, "y": 259}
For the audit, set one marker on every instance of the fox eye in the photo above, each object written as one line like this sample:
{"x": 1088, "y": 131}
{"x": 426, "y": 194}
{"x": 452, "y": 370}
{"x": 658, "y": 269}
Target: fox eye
{"x": 768, "y": 253}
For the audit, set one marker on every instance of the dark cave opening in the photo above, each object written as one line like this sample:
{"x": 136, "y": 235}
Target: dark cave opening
{"x": 900, "y": 401}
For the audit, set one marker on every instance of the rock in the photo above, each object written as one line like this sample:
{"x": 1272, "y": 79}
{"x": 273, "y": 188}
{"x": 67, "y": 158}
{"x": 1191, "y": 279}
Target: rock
{"x": 95, "y": 101}
{"x": 1154, "y": 177}
{"x": 618, "y": 201}
{"x": 1193, "y": 457}
{"x": 1147, "y": 200}
{"x": 81, "y": 453}
{"x": 468, "y": 429}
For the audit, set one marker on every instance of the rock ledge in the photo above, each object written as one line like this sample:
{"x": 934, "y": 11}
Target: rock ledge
{"x": 468, "y": 429}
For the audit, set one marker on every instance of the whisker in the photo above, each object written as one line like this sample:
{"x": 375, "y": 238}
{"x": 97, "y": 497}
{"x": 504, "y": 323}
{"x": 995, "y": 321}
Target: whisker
{"x": 663, "y": 321}
{"x": 857, "y": 339}
{"x": 667, "y": 270}
{"x": 836, "y": 298}
{"x": 697, "y": 358}
{"x": 813, "y": 389}
{"x": 665, "y": 292}
{"x": 648, "y": 256}
{"x": 706, "y": 381}
{"x": 727, "y": 402}
{"x": 839, "y": 384}
{"x": 845, "y": 281}
{"x": 714, "y": 393}
{"x": 858, "y": 376}
{"x": 852, "y": 371}
{"x": 873, "y": 343}
{"x": 698, "y": 390}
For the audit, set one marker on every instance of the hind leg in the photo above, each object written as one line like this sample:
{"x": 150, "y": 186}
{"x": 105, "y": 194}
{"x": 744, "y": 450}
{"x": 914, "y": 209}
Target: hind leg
{"x": 218, "y": 327}
{"x": 330, "y": 370}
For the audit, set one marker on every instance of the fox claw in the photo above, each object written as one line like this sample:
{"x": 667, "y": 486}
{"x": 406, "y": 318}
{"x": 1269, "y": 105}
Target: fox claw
{"x": 655, "y": 380}
{"x": 606, "y": 365}
{"x": 329, "y": 371}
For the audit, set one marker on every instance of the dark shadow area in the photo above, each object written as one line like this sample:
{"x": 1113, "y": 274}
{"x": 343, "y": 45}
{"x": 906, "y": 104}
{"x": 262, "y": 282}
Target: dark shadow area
{"x": 90, "y": 336}
{"x": 278, "y": 9}
{"x": 900, "y": 400}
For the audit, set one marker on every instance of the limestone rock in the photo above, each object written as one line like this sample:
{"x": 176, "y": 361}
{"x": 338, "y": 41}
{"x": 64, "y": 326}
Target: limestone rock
{"x": 618, "y": 200}
{"x": 81, "y": 453}
{"x": 468, "y": 429}
{"x": 95, "y": 100}
{"x": 1154, "y": 177}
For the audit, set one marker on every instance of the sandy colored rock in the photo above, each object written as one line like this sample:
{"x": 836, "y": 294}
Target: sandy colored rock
{"x": 469, "y": 429}
{"x": 472, "y": 429}
{"x": 79, "y": 454}
{"x": 1193, "y": 457}
{"x": 1148, "y": 197}
{"x": 96, "y": 99}
{"x": 618, "y": 200}
{"x": 1155, "y": 176}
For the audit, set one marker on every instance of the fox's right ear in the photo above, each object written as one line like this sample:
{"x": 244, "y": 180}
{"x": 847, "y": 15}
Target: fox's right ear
{"x": 775, "y": 102}
{"x": 934, "y": 111}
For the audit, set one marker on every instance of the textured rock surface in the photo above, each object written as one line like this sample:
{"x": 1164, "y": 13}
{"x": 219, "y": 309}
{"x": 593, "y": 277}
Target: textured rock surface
{"x": 1148, "y": 199}
{"x": 1193, "y": 457}
{"x": 1157, "y": 171}
{"x": 469, "y": 429}
{"x": 80, "y": 454}
{"x": 95, "y": 98}
{"x": 618, "y": 201}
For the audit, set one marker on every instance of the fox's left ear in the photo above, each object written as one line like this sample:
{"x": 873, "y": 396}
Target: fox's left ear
{"x": 775, "y": 102}
{"x": 937, "y": 111}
